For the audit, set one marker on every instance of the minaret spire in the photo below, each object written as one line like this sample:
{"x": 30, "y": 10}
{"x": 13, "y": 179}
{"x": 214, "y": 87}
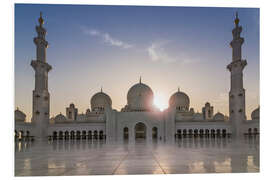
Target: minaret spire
{"x": 237, "y": 106}
{"x": 40, "y": 20}
{"x": 40, "y": 40}
{"x": 236, "y": 43}
{"x": 178, "y": 89}
{"x": 101, "y": 89}
{"x": 236, "y": 21}
{"x": 140, "y": 80}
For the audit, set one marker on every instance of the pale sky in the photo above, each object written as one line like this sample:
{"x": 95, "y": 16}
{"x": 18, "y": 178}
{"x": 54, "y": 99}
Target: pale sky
{"x": 112, "y": 46}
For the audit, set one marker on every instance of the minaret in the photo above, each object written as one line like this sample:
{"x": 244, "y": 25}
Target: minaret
{"x": 237, "y": 105}
{"x": 41, "y": 95}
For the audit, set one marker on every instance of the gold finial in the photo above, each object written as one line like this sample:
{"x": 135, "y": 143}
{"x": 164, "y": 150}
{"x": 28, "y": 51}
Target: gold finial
{"x": 40, "y": 19}
{"x": 236, "y": 21}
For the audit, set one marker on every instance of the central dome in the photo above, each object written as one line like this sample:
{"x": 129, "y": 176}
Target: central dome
{"x": 140, "y": 97}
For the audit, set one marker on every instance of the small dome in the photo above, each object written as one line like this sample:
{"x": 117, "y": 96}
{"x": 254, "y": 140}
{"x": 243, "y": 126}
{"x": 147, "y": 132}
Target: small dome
{"x": 197, "y": 116}
{"x": 87, "y": 111}
{"x": 255, "y": 115}
{"x": 140, "y": 97}
{"x": 19, "y": 116}
{"x": 60, "y": 118}
{"x": 72, "y": 105}
{"x": 179, "y": 100}
{"x": 219, "y": 117}
{"x": 99, "y": 101}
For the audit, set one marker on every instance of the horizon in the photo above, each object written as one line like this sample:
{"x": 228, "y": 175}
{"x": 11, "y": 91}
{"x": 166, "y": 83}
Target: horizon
{"x": 157, "y": 41}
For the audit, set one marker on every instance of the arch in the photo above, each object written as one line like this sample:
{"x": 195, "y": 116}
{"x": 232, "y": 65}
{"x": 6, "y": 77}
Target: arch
{"x": 140, "y": 130}
{"x": 27, "y": 134}
{"x": 249, "y": 131}
{"x": 78, "y": 134}
{"x": 72, "y": 135}
{"x": 54, "y": 135}
{"x": 213, "y": 132}
{"x": 201, "y": 132}
{"x": 95, "y": 134}
{"x": 66, "y": 134}
{"x": 83, "y": 134}
{"x": 196, "y": 132}
{"x": 89, "y": 134}
{"x": 16, "y": 134}
{"x": 218, "y": 132}
{"x": 179, "y": 133}
{"x": 190, "y": 132}
{"x": 207, "y": 132}
{"x": 125, "y": 133}
{"x": 255, "y": 131}
{"x": 61, "y": 135}
{"x": 224, "y": 132}
{"x": 100, "y": 134}
{"x": 184, "y": 132}
{"x": 154, "y": 133}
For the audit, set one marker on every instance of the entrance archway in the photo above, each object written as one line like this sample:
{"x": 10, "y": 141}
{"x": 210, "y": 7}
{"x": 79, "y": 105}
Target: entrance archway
{"x": 140, "y": 131}
{"x": 126, "y": 133}
{"x": 154, "y": 133}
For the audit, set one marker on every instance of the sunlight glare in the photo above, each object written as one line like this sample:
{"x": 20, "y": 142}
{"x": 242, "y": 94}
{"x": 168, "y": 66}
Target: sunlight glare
{"x": 160, "y": 101}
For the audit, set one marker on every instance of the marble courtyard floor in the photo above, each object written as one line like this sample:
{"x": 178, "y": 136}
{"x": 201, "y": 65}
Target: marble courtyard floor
{"x": 95, "y": 157}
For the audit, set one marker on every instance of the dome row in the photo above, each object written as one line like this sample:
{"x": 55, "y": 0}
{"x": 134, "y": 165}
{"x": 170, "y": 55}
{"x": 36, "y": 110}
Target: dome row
{"x": 140, "y": 98}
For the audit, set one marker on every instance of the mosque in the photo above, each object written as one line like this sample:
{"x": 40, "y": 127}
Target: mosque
{"x": 139, "y": 118}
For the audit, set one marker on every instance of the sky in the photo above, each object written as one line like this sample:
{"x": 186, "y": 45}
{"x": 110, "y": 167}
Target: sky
{"x": 112, "y": 46}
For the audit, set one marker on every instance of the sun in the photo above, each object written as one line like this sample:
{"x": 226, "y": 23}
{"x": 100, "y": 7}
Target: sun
{"x": 160, "y": 101}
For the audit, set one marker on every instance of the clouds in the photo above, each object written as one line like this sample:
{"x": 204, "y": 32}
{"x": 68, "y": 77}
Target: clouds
{"x": 107, "y": 38}
{"x": 157, "y": 52}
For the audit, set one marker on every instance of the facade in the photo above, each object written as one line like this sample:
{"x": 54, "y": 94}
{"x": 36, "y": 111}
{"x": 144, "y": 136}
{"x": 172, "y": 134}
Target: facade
{"x": 139, "y": 118}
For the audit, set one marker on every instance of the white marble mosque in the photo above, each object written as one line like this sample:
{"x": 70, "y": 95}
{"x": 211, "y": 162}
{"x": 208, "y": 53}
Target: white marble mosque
{"x": 139, "y": 118}
{"x": 139, "y": 139}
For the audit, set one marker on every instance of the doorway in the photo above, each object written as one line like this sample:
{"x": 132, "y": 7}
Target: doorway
{"x": 125, "y": 133}
{"x": 154, "y": 133}
{"x": 140, "y": 131}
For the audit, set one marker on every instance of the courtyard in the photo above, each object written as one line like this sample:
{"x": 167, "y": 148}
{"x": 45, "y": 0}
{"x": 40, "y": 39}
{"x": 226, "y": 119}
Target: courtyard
{"x": 98, "y": 157}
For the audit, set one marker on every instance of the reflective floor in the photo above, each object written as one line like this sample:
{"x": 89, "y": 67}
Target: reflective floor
{"x": 95, "y": 157}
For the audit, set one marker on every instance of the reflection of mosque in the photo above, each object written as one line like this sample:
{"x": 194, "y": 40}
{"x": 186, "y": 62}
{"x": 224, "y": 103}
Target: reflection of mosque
{"x": 212, "y": 154}
{"x": 138, "y": 118}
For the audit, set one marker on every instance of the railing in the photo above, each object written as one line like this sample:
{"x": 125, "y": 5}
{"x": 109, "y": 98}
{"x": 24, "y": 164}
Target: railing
{"x": 77, "y": 137}
{"x": 24, "y": 138}
{"x": 191, "y": 135}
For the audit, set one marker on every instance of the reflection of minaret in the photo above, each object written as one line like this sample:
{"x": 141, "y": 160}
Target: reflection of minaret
{"x": 239, "y": 163}
{"x": 237, "y": 105}
{"x": 41, "y": 96}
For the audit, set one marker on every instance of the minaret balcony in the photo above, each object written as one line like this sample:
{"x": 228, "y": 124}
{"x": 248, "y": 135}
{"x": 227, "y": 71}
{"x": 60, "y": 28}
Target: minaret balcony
{"x": 237, "y": 42}
{"x": 236, "y": 64}
{"x": 36, "y": 64}
{"x": 40, "y": 41}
